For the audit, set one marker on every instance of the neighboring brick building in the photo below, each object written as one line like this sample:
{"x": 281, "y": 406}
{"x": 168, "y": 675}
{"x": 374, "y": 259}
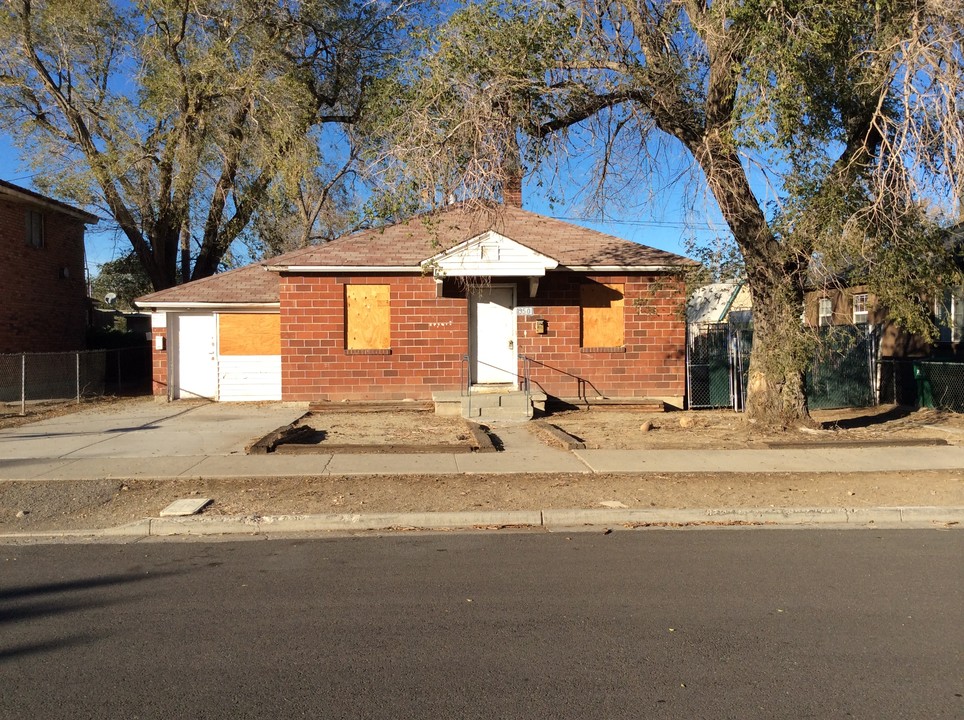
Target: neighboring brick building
{"x": 410, "y": 310}
{"x": 856, "y": 305}
{"x": 42, "y": 273}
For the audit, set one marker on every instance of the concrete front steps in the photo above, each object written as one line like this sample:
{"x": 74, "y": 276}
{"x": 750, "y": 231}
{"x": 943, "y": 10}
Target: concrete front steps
{"x": 490, "y": 403}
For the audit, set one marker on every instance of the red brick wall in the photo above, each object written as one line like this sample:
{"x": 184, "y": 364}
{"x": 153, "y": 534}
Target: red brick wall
{"x": 653, "y": 363}
{"x": 40, "y": 310}
{"x": 430, "y": 336}
{"x": 159, "y": 362}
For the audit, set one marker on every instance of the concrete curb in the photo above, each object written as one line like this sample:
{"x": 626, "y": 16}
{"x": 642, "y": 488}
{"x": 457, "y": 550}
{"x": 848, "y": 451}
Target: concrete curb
{"x": 309, "y": 523}
{"x": 499, "y": 520}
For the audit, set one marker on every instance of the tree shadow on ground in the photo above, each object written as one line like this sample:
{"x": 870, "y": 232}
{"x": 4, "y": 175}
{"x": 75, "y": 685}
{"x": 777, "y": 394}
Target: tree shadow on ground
{"x": 869, "y": 419}
{"x": 25, "y": 604}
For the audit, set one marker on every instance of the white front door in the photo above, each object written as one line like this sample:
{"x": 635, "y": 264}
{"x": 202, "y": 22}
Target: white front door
{"x": 196, "y": 373}
{"x": 492, "y": 311}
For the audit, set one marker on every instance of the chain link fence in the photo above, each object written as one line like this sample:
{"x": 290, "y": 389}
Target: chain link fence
{"x": 708, "y": 365}
{"x": 71, "y": 376}
{"x": 842, "y": 373}
{"x": 923, "y": 383}
{"x": 844, "y": 369}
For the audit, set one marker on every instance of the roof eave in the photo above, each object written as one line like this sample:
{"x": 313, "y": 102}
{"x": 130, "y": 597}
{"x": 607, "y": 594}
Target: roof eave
{"x": 162, "y": 306}
{"x": 621, "y": 268}
{"x": 345, "y": 268}
{"x": 48, "y": 203}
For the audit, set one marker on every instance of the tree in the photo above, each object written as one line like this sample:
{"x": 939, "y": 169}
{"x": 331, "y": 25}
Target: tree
{"x": 178, "y": 118}
{"x": 845, "y": 115}
{"x": 302, "y": 209}
{"x": 125, "y": 278}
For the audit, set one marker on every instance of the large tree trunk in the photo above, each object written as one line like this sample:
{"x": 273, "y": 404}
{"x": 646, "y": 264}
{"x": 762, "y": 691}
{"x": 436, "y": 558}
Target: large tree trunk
{"x": 776, "y": 395}
{"x": 775, "y": 389}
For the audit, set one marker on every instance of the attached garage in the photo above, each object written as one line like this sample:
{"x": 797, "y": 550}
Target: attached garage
{"x": 218, "y": 338}
{"x": 249, "y": 356}
{"x": 194, "y": 340}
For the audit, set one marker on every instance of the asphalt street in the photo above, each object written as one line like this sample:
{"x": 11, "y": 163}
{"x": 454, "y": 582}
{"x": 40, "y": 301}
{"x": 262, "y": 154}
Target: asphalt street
{"x": 632, "y": 624}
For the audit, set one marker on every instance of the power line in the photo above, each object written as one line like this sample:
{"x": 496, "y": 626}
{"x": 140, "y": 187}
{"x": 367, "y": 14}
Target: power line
{"x": 26, "y": 177}
{"x": 641, "y": 223}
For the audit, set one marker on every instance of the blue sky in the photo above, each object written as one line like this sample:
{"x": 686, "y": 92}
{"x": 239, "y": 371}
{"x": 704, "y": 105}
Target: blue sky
{"x": 663, "y": 223}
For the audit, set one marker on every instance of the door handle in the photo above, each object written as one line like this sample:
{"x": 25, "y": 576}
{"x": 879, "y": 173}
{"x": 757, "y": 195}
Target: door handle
{"x": 511, "y": 344}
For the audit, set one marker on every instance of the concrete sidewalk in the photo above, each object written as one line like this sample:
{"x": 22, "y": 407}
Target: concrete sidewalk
{"x": 523, "y": 453}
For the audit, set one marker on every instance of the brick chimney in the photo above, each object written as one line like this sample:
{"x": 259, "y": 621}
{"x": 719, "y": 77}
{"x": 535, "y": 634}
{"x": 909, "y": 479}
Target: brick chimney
{"x": 512, "y": 190}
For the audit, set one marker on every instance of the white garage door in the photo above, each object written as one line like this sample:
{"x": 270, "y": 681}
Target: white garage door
{"x": 196, "y": 373}
{"x": 249, "y": 356}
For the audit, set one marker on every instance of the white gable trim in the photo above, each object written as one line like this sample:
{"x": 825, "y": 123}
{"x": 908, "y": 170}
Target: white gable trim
{"x": 490, "y": 255}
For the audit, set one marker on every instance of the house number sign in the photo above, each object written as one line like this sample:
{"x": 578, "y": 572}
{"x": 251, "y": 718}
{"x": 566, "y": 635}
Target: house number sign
{"x": 523, "y": 311}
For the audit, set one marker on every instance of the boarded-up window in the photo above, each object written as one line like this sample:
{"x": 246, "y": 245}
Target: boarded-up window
{"x": 602, "y": 315}
{"x": 368, "y": 317}
{"x": 244, "y": 334}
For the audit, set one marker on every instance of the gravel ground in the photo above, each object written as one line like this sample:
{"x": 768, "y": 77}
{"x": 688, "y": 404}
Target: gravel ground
{"x": 76, "y": 505}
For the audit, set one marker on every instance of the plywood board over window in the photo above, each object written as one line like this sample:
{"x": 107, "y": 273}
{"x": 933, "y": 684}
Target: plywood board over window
{"x": 601, "y": 308}
{"x": 249, "y": 334}
{"x": 368, "y": 317}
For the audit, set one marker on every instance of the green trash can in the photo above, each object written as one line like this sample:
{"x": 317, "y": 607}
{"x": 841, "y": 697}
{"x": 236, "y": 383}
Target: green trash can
{"x": 925, "y": 395}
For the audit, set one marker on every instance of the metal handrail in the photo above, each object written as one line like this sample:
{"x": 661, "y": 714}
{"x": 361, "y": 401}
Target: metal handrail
{"x": 465, "y": 377}
{"x": 526, "y": 387}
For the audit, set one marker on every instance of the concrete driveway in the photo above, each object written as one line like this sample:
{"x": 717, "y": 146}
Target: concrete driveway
{"x": 145, "y": 429}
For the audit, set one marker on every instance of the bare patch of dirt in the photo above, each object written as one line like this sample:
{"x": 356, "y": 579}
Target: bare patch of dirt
{"x": 725, "y": 429}
{"x": 400, "y": 431}
{"x": 86, "y": 504}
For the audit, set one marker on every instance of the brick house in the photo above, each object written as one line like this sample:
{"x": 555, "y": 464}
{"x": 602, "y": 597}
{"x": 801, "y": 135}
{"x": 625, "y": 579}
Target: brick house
{"x": 42, "y": 273}
{"x": 430, "y": 305}
{"x": 856, "y": 305}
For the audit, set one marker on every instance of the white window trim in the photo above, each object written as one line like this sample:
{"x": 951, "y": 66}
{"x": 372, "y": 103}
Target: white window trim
{"x": 864, "y": 313}
{"x": 949, "y": 318}
{"x": 824, "y": 319}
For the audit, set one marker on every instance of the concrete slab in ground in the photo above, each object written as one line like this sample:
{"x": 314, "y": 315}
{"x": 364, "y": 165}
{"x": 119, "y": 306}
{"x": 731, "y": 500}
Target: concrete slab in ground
{"x": 122, "y": 468}
{"x": 523, "y": 453}
{"x": 30, "y": 468}
{"x": 509, "y": 462}
{"x": 146, "y": 429}
{"x": 367, "y": 464}
{"x": 185, "y": 507}
{"x": 44, "y": 444}
{"x": 261, "y": 466}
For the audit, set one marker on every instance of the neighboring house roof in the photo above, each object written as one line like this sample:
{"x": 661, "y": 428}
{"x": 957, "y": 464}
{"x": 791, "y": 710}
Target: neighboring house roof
{"x": 712, "y": 303}
{"x": 407, "y": 245}
{"x": 252, "y": 284}
{"x": 404, "y": 247}
{"x": 16, "y": 192}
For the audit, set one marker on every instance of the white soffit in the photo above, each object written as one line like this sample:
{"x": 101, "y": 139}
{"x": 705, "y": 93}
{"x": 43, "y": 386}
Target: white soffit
{"x": 490, "y": 255}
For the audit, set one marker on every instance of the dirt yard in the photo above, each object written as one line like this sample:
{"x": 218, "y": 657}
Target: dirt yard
{"x": 400, "y": 431}
{"x": 725, "y": 429}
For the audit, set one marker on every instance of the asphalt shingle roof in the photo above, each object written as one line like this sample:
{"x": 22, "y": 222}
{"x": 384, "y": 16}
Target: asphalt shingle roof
{"x": 250, "y": 284}
{"x": 407, "y": 244}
